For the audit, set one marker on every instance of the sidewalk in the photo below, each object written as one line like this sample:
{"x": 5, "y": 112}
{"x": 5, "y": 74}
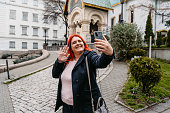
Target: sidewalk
{"x": 5, "y": 100}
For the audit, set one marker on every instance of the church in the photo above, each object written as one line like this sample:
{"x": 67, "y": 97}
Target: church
{"x": 87, "y": 16}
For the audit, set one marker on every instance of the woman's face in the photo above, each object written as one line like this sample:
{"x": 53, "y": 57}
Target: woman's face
{"x": 77, "y": 45}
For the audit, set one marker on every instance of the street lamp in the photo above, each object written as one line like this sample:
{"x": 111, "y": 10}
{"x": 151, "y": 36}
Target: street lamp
{"x": 122, "y": 2}
{"x": 45, "y": 33}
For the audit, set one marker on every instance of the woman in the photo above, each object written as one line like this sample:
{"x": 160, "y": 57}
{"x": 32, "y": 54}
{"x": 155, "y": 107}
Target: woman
{"x": 70, "y": 68}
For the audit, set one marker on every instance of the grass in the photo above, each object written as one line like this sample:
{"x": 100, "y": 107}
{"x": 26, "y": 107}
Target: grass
{"x": 132, "y": 96}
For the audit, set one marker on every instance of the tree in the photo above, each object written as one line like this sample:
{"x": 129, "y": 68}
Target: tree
{"x": 159, "y": 39}
{"x": 124, "y": 37}
{"x": 168, "y": 39}
{"x": 54, "y": 10}
{"x": 167, "y": 23}
{"x": 149, "y": 30}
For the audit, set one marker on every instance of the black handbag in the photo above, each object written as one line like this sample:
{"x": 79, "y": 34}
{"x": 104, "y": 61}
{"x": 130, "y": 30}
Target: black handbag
{"x": 101, "y": 104}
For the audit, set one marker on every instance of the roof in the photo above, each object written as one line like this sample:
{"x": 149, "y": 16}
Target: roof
{"x": 115, "y": 2}
{"x": 98, "y": 3}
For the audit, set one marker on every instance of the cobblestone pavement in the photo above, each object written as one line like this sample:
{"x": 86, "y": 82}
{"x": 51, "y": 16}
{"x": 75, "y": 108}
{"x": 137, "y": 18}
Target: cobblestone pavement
{"x": 5, "y": 100}
{"x": 37, "y": 93}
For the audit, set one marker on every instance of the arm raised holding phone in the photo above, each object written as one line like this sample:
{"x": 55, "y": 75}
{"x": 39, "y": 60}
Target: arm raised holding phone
{"x": 104, "y": 46}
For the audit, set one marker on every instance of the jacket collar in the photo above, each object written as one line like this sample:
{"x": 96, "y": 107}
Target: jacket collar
{"x": 82, "y": 57}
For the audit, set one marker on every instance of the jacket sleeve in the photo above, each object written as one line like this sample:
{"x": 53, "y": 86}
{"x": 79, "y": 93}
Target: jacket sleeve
{"x": 57, "y": 69}
{"x": 100, "y": 61}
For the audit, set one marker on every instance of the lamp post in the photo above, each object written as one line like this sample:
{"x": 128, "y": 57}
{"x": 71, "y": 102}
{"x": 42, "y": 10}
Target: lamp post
{"x": 122, "y": 2}
{"x": 45, "y": 35}
{"x": 45, "y": 31}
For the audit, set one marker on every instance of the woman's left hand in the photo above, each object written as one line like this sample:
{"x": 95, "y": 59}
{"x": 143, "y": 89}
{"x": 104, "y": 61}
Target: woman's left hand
{"x": 104, "y": 46}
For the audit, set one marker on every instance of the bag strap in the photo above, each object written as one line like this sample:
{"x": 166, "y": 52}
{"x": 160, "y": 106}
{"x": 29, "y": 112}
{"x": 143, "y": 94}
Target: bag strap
{"x": 87, "y": 67}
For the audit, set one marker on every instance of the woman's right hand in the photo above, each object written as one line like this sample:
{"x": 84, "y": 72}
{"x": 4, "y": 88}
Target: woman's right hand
{"x": 62, "y": 57}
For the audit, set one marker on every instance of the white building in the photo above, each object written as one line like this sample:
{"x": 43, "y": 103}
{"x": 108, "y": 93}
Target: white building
{"x": 136, "y": 11}
{"x": 22, "y": 26}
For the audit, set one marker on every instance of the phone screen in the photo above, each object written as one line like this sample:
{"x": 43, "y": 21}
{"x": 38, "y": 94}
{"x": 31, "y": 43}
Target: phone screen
{"x": 98, "y": 35}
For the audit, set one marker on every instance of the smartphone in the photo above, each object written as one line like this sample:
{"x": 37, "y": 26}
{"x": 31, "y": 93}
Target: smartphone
{"x": 98, "y": 35}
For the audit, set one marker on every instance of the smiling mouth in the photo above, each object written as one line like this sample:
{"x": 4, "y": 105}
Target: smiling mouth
{"x": 79, "y": 46}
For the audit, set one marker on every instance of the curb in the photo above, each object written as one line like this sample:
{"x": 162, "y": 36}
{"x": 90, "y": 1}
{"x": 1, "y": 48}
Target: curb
{"x": 44, "y": 55}
{"x": 105, "y": 73}
{"x": 13, "y": 80}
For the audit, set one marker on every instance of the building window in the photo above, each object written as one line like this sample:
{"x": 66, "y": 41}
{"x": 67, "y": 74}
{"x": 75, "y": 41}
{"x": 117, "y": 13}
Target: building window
{"x": 24, "y": 1}
{"x": 24, "y": 30}
{"x": 35, "y": 2}
{"x": 12, "y": 14}
{"x": 55, "y": 33}
{"x": 45, "y": 19}
{"x": 25, "y": 16}
{"x": 35, "y": 17}
{"x": 35, "y": 45}
{"x": 24, "y": 45}
{"x": 12, "y": 30}
{"x": 11, "y": 44}
{"x": 112, "y": 21}
{"x": 35, "y": 31}
{"x": 132, "y": 15}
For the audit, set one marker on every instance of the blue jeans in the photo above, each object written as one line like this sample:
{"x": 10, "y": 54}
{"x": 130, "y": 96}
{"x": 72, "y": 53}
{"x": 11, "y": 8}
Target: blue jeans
{"x": 67, "y": 108}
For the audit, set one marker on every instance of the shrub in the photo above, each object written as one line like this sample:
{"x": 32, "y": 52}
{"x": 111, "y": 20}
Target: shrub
{"x": 136, "y": 52}
{"x": 124, "y": 37}
{"x": 5, "y": 56}
{"x": 146, "y": 72}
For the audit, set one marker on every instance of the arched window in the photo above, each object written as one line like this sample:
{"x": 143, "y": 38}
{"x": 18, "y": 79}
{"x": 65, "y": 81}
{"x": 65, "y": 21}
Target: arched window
{"x": 131, "y": 16}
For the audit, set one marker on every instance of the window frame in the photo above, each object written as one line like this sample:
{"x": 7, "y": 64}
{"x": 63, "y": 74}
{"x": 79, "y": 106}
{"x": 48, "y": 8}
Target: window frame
{"x": 24, "y": 47}
{"x": 35, "y": 17}
{"x": 12, "y": 14}
{"x": 13, "y": 30}
{"x": 35, "y": 33}
{"x": 26, "y": 31}
{"x": 23, "y": 16}
{"x": 11, "y": 44}
{"x": 35, "y": 47}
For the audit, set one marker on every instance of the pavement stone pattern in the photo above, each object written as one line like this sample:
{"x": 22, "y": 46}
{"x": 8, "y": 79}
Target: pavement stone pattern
{"x": 37, "y": 93}
{"x": 34, "y": 94}
{"x": 19, "y": 72}
{"x": 5, "y": 100}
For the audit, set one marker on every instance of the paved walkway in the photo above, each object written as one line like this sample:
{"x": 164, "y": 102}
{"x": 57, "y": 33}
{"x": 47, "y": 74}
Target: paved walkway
{"x": 37, "y": 92}
{"x": 5, "y": 99}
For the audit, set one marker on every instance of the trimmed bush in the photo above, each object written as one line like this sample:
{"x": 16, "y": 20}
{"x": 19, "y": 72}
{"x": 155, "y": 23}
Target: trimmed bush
{"x": 136, "y": 52}
{"x": 5, "y": 56}
{"x": 146, "y": 72}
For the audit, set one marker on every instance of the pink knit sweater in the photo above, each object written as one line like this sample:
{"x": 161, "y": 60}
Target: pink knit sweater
{"x": 66, "y": 78}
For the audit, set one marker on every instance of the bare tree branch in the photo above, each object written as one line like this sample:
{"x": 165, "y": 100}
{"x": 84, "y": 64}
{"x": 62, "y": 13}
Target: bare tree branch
{"x": 54, "y": 11}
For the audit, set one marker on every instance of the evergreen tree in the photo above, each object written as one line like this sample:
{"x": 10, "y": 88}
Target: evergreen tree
{"x": 149, "y": 30}
{"x": 168, "y": 39}
{"x": 159, "y": 39}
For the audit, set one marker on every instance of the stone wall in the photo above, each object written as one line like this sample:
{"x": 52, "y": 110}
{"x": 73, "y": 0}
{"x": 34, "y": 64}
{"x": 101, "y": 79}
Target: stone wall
{"x": 162, "y": 53}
